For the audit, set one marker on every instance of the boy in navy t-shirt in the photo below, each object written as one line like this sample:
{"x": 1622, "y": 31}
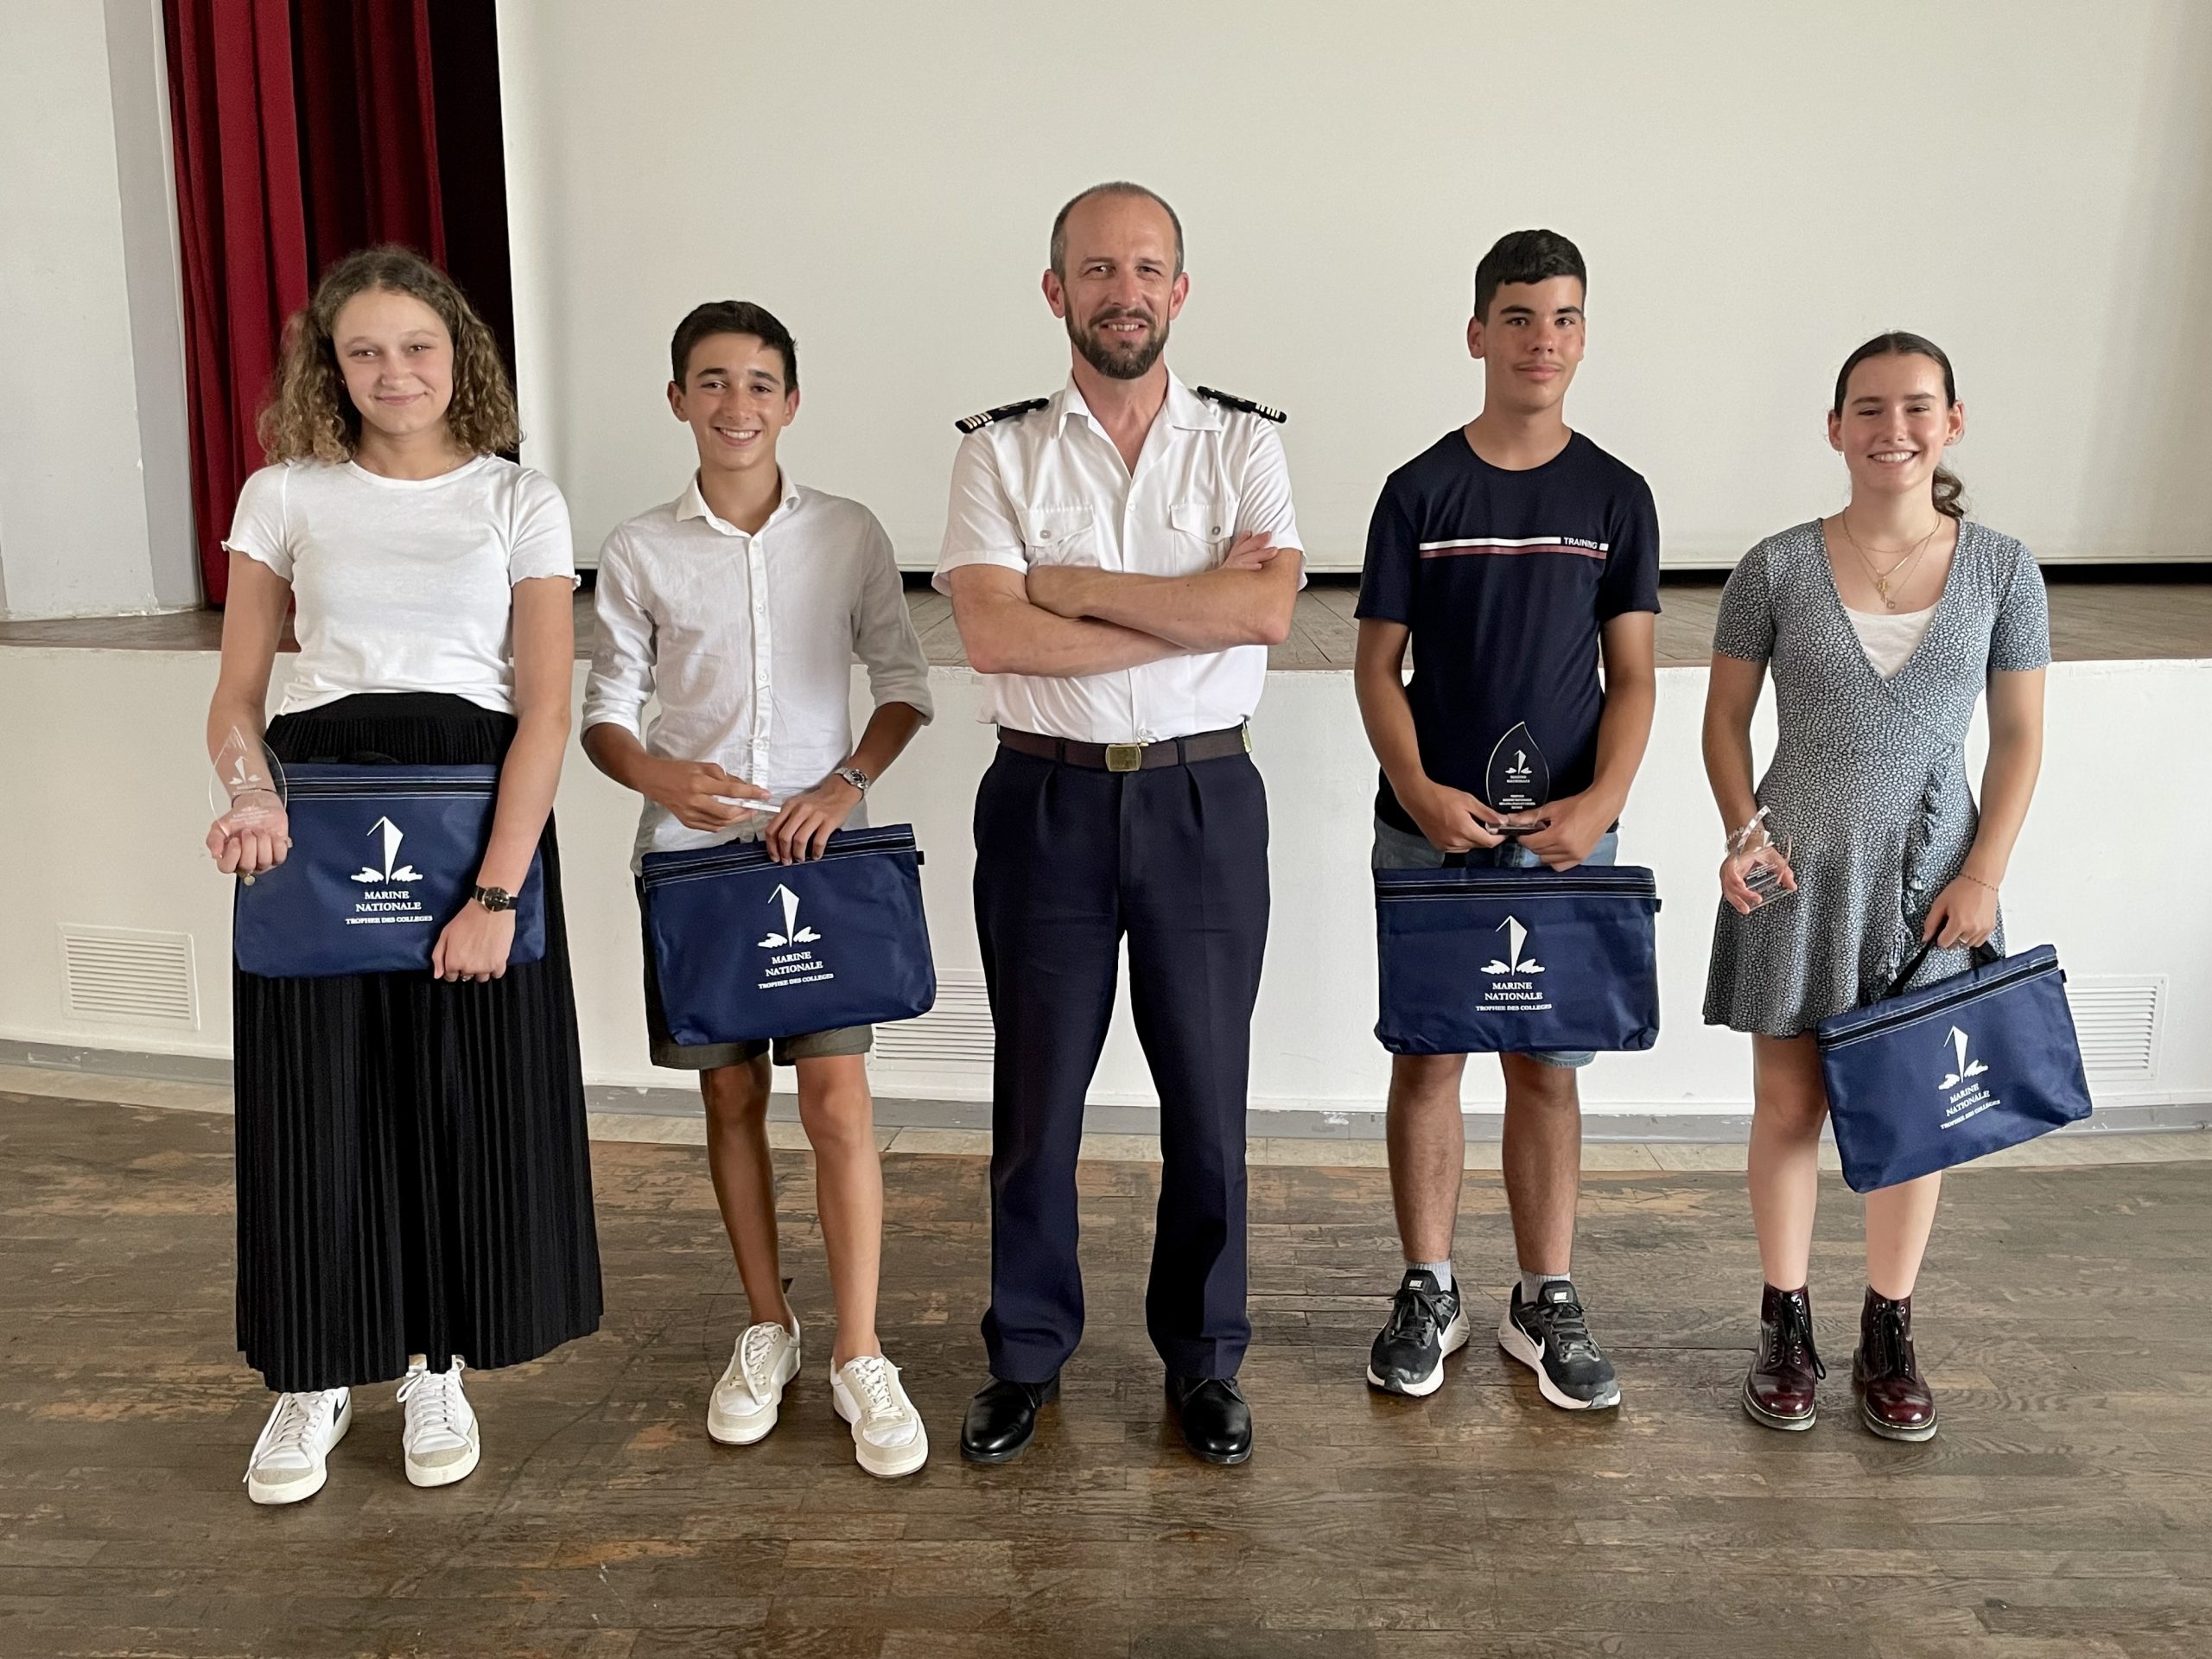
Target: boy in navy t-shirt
{"x": 1513, "y": 555}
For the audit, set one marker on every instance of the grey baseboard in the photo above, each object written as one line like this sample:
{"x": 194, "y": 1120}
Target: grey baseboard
{"x": 116, "y": 1062}
{"x": 893, "y": 1113}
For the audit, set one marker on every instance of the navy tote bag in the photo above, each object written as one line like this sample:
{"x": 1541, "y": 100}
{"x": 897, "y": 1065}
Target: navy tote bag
{"x": 382, "y": 858}
{"x": 1482, "y": 960}
{"x": 1948, "y": 1072}
{"x": 747, "y": 949}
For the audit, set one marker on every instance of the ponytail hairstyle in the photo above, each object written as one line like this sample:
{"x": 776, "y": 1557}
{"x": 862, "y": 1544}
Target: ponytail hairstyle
{"x": 310, "y": 417}
{"x": 1950, "y": 492}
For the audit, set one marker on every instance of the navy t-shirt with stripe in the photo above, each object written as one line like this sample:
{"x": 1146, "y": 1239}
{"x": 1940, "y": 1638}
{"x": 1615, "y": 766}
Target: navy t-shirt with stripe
{"x": 1505, "y": 579}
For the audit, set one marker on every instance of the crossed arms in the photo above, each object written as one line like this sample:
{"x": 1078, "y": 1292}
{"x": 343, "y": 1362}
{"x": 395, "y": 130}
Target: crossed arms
{"x": 1061, "y": 621}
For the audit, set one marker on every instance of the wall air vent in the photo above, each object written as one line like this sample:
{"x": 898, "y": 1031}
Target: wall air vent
{"x": 128, "y": 975}
{"x": 956, "y": 1033}
{"x": 2118, "y": 1021}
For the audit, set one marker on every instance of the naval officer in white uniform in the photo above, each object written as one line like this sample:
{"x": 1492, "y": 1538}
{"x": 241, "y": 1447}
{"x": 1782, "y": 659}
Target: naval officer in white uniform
{"x": 1120, "y": 557}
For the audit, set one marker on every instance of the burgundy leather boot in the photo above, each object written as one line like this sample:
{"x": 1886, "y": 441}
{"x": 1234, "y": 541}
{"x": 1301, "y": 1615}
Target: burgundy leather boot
{"x": 1893, "y": 1398}
{"x": 1778, "y": 1388}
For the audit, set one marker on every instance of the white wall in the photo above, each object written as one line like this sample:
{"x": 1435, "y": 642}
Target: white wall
{"x": 95, "y": 502}
{"x": 1758, "y": 189}
{"x": 107, "y": 807}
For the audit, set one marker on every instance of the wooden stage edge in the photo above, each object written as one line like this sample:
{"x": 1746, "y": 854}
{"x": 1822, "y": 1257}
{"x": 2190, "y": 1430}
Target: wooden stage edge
{"x": 2132, "y": 613}
{"x": 2062, "y": 1513}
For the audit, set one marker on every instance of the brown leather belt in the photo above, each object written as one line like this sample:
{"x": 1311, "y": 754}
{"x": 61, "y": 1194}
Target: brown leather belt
{"x": 1131, "y": 757}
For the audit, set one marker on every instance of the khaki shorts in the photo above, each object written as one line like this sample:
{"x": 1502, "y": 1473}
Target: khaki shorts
{"x": 711, "y": 1057}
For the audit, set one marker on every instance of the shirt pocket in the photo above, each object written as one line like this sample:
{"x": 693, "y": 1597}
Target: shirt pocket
{"x": 1203, "y": 531}
{"x": 1060, "y": 534}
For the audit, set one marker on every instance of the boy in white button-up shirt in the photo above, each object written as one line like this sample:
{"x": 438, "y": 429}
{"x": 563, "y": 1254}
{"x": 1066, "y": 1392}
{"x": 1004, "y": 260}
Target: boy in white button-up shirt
{"x": 741, "y": 604}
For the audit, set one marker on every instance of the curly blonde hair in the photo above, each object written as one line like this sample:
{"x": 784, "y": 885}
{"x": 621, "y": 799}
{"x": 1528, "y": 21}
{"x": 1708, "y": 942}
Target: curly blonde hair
{"x": 310, "y": 417}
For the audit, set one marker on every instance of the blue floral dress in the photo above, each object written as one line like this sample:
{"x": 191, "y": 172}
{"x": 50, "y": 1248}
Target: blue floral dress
{"x": 1869, "y": 781}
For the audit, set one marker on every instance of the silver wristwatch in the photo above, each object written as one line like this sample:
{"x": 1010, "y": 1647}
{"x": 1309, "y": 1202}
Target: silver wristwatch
{"x": 854, "y": 776}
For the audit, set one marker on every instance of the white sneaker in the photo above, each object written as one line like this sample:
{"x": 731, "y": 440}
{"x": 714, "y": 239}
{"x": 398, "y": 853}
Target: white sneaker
{"x": 291, "y": 1459}
{"x": 889, "y": 1438}
{"x": 440, "y": 1437}
{"x": 743, "y": 1406}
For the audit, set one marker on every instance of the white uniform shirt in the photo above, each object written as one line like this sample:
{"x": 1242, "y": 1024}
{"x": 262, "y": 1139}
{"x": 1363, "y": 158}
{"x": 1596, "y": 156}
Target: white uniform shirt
{"x": 1049, "y": 487}
{"x": 749, "y": 642}
{"x": 404, "y": 584}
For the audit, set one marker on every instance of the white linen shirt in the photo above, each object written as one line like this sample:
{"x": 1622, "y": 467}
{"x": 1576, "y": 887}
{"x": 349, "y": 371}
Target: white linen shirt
{"x": 748, "y": 640}
{"x": 1049, "y": 487}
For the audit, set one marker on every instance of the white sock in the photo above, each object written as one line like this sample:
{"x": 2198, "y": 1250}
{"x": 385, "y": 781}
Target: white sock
{"x": 1532, "y": 1284}
{"x": 1439, "y": 1271}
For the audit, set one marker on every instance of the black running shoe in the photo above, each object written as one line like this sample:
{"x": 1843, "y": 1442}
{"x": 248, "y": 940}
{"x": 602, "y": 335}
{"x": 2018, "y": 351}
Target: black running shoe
{"x": 1553, "y": 1339}
{"x": 1427, "y": 1323}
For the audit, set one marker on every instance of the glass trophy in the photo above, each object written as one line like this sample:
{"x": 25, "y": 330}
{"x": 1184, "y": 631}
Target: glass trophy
{"x": 246, "y": 791}
{"x": 1762, "y": 860}
{"x": 1517, "y": 779}
{"x": 1764, "y": 878}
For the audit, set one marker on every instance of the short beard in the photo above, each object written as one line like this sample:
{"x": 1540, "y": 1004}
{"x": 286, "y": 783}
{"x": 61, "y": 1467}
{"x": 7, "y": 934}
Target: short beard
{"x": 1116, "y": 362}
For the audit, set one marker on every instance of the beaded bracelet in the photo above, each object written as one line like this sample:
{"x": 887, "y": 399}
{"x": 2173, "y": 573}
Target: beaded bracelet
{"x": 1741, "y": 838}
{"x": 1977, "y": 881}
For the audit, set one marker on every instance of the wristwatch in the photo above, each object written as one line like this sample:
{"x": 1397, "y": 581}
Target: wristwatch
{"x": 493, "y": 898}
{"x": 854, "y": 776}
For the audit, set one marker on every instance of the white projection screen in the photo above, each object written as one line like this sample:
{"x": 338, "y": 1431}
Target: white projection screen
{"x": 1757, "y": 187}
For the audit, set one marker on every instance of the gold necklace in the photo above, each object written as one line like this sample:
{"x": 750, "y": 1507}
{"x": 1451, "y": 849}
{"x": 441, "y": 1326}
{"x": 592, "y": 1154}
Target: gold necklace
{"x": 1882, "y": 579}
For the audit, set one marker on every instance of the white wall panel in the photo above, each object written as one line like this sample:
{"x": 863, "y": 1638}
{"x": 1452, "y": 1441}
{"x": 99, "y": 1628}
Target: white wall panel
{"x": 1757, "y": 187}
{"x": 106, "y": 810}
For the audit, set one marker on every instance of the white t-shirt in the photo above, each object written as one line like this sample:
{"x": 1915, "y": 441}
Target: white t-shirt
{"x": 404, "y": 584}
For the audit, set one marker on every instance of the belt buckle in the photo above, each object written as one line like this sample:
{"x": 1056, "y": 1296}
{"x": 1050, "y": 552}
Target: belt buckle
{"x": 1124, "y": 756}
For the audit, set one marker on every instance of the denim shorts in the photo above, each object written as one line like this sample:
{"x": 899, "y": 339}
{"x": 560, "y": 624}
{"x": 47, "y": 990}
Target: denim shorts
{"x": 1396, "y": 849}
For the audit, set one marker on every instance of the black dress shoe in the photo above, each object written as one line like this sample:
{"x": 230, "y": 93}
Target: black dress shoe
{"x": 1002, "y": 1420}
{"x": 1215, "y": 1422}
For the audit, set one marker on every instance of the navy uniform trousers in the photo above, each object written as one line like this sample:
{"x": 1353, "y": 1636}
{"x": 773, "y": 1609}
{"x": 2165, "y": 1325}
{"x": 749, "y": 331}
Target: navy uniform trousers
{"x": 1068, "y": 861}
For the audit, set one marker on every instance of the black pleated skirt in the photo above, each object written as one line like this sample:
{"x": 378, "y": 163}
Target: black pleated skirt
{"x": 414, "y": 1175}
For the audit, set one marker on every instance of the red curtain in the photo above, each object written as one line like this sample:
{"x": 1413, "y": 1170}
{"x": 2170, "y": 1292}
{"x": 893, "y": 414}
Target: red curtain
{"x": 242, "y": 226}
{"x": 369, "y": 120}
{"x": 304, "y": 129}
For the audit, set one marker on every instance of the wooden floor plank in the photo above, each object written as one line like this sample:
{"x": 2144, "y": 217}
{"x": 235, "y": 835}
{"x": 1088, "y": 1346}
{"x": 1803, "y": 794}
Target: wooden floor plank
{"x": 2062, "y": 1511}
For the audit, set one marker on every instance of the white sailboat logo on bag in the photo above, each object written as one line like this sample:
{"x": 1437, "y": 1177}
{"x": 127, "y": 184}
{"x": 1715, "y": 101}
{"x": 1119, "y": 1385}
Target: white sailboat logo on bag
{"x": 1961, "y": 1068}
{"x": 393, "y": 869}
{"x": 1514, "y": 962}
{"x": 792, "y": 933}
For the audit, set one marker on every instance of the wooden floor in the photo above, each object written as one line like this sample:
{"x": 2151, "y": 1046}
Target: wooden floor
{"x": 2064, "y": 1513}
{"x": 2096, "y": 615}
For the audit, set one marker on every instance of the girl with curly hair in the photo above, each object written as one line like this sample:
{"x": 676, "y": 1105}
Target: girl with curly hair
{"x": 414, "y": 1183}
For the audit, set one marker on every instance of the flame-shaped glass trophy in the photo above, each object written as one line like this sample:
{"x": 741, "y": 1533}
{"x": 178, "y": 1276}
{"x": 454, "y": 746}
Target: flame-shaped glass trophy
{"x": 1517, "y": 779}
{"x": 246, "y": 791}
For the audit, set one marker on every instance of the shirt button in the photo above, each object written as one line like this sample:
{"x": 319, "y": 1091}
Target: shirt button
{"x": 1043, "y": 535}
{"x": 1216, "y": 530}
